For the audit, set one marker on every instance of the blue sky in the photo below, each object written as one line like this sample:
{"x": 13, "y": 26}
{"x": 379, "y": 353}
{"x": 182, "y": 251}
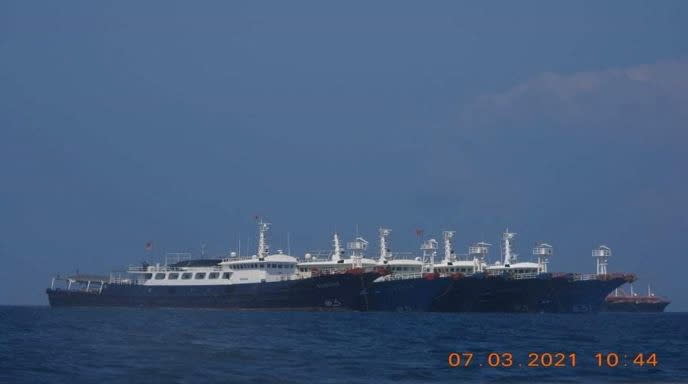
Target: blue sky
{"x": 177, "y": 122}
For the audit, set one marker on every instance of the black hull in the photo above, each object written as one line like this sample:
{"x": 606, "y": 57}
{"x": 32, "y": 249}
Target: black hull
{"x": 480, "y": 293}
{"x": 417, "y": 295}
{"x": 328, "y": 292}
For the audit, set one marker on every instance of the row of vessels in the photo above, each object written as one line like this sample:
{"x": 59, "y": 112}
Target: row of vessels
{"x": 345, "y": 279}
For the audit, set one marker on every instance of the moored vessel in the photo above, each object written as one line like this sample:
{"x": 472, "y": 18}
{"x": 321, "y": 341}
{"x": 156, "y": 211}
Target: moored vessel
{"x": 403, "y": 284}
{"x": 620, "y": 301}
{"x": 262, "y": 281}
{"x": 512, "y": 286}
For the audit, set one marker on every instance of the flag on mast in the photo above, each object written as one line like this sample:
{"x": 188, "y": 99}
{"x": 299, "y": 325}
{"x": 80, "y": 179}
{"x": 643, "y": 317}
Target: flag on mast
{"x": 149, "y": 246}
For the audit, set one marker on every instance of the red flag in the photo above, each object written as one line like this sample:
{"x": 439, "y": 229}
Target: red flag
{"x": 149, "y": 246}
{"x": 419, "y": 232}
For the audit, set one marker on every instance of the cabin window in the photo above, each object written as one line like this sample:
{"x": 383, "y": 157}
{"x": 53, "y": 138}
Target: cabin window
{"x": 226, "y": 275}
{"x": 280, "y": 266}
{"x": 159, "y": 276}
{"x": 186, "y": 276}
{"x": 148, "y": 276}
{"x": 261, "y": 265}
{"x": 173, "y": 276}
{"x": 213, "y": 275}
{"x": 200, "y": 275}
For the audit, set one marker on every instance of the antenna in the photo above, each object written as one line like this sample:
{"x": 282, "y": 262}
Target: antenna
{"x": 263, "y": 247}
{"x": 288, "y": 244}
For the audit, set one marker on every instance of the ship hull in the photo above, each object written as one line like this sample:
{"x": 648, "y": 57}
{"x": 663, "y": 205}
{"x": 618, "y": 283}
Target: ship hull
{"x": 482, "y": 293}
{"x": 328, "y": 292}
{"x": 635, "y": 306}
{"x": 416, "y": 295}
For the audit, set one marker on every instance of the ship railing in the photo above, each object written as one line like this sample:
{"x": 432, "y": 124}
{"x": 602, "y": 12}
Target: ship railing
{"x": 403, "y": 256}
{"x": 77, "y": 284}
{"x": 165, "y": 268}
{"x": 240, "y": 258}
{"x": 319, "y": 255}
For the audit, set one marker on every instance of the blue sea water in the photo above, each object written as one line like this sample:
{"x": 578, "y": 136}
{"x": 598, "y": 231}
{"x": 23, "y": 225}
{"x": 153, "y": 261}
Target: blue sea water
{"x": 110, "y": 345}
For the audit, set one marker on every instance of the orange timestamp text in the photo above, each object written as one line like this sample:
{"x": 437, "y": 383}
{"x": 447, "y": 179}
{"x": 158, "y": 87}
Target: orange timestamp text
{"x": 548, "y": 359}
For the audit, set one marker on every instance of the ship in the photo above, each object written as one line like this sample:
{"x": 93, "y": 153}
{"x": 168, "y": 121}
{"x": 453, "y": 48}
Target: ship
{"x": 262, "y": 281}
{"x": 512, "y": 286}
{"x": 403, "y": 286}
{"x": 620, "y": 301}
{"x": 333, "y": 280}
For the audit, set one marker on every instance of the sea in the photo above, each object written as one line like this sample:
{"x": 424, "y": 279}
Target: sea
{"x": 129, "y": 345}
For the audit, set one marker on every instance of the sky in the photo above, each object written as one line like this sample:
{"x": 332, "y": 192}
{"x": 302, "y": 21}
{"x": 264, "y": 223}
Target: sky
{"x": 178, "y": 122}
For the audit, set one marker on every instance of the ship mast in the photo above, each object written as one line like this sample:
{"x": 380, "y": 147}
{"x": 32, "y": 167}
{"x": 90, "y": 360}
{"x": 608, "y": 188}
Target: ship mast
{"x": 449, "y": 255}
{"x": 385, "y": 252}
{"x": 509, "y": 254}
{"x": 337, "y": 251}
{"x": 263, "y": 247}
{"x": 429, "y": 249}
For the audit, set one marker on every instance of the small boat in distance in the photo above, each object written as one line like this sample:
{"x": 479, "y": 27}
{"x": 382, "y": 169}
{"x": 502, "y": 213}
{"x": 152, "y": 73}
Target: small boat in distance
{"x": 620, "y": 301}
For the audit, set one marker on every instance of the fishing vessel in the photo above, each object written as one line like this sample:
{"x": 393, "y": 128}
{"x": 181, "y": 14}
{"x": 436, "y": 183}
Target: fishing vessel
{"x": 404, "y": 285}
{"x": 262, "y": 281}
{"x": 411, "y": 285}
{"x": 512, "y": 286}
{"x": 620, "y": 301}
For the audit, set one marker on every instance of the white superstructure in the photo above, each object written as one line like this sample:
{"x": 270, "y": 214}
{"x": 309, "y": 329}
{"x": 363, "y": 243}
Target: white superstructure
{"x": 396, "y": 265}
{"x": 509, "y": 263}
{"x": 262, "y": 267}
{"x": 451, "y": 263}
{"x": 336, "y": 260}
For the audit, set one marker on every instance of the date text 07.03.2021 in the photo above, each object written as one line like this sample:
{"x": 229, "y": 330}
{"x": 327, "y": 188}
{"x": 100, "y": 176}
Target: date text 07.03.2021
{"x": 550, "y": 359}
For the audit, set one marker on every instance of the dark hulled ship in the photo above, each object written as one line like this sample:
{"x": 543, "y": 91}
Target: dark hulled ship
{"x": 264, "y": 281}
{"x": 511, "y": 286}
